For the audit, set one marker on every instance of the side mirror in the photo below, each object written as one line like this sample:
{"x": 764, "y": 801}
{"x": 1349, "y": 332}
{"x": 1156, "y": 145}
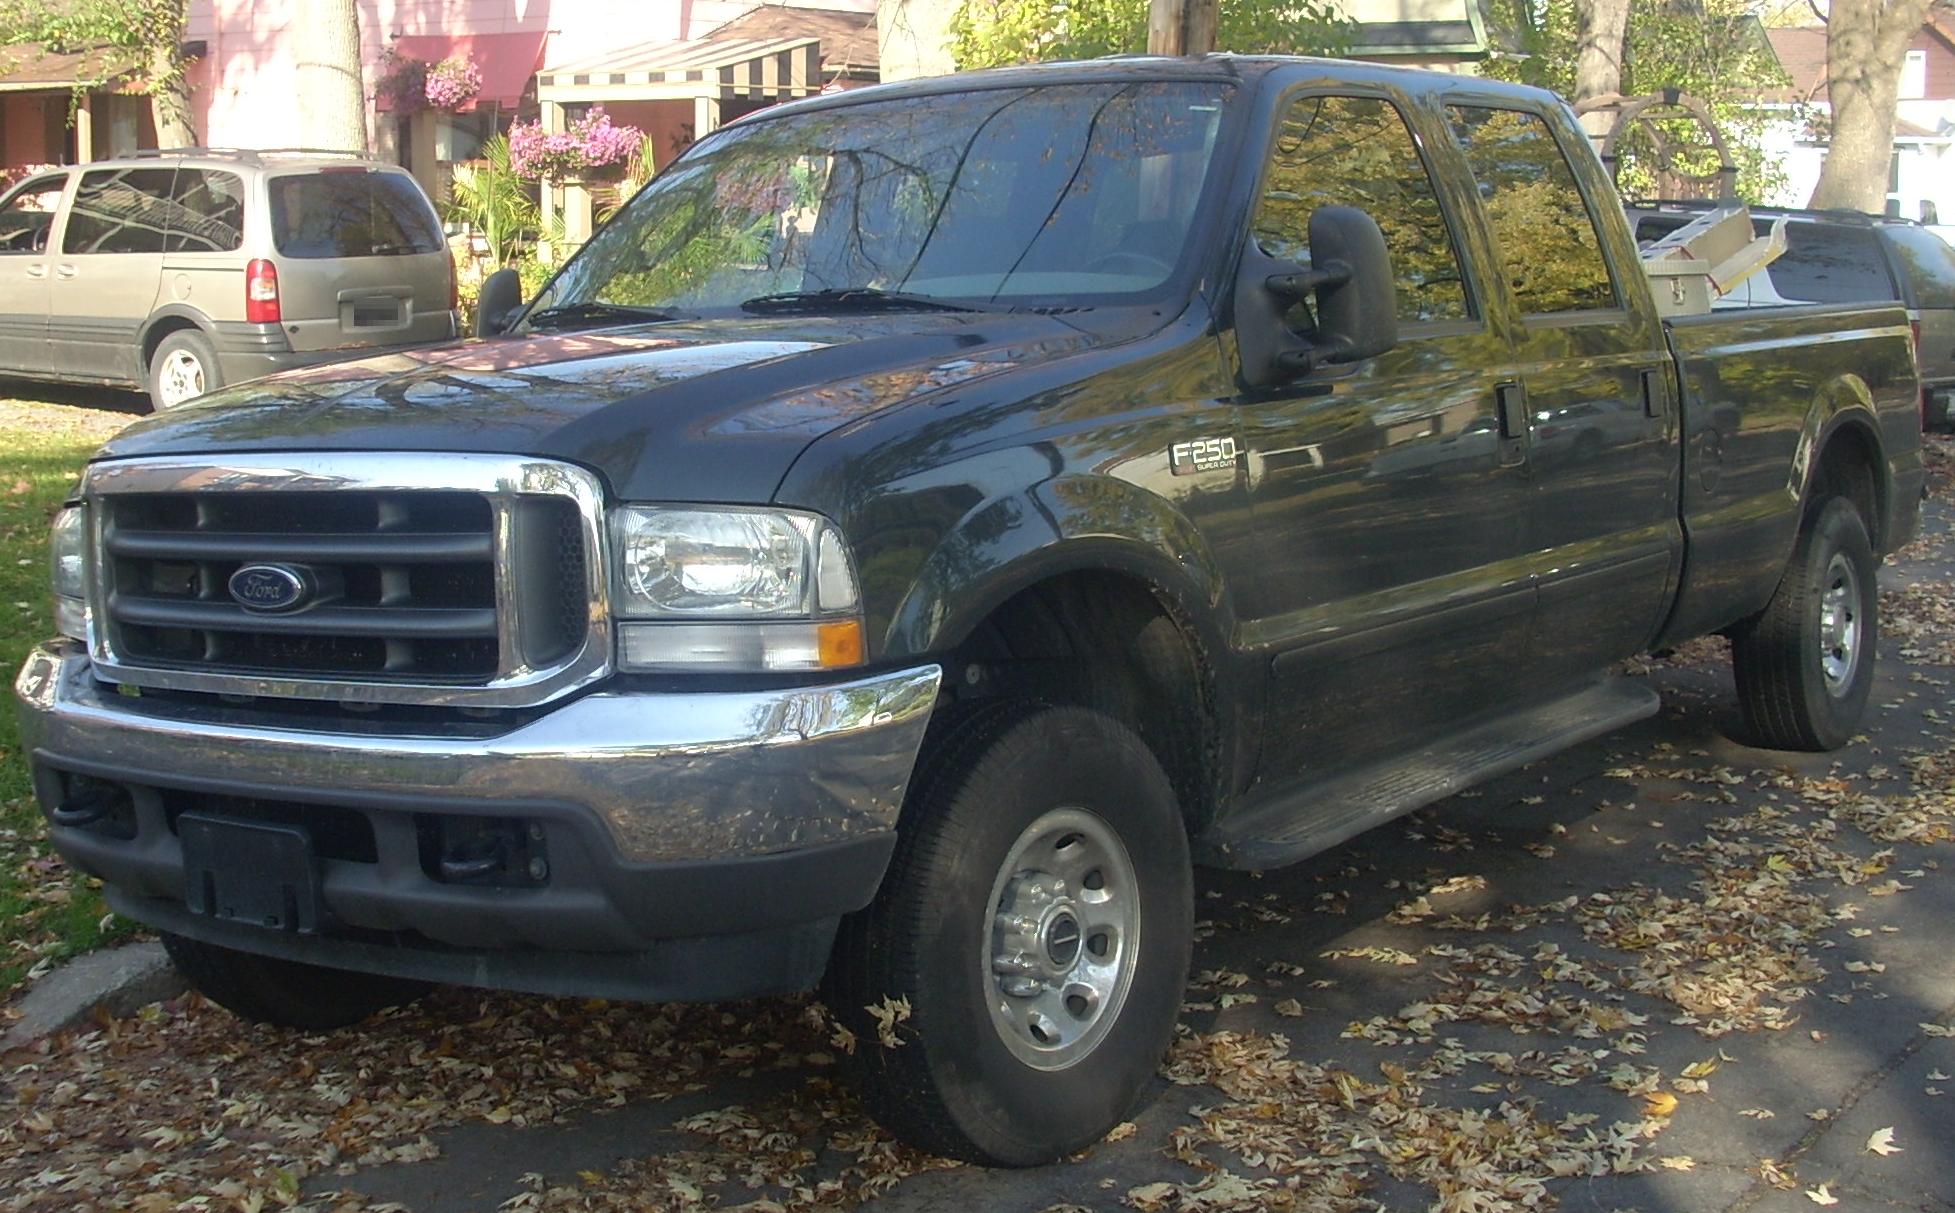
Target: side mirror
{"x": 1349, "y": 287}
{"x": 499, "y": 302}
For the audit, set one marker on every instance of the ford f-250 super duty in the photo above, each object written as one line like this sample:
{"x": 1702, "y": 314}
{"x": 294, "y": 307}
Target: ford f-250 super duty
{"x": 920, "y": 523}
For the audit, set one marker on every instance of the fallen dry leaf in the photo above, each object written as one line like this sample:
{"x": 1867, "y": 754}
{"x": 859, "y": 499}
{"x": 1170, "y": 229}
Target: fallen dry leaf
{"x": 1820, "y": 1196}
{"x": 1882, "y": 1143}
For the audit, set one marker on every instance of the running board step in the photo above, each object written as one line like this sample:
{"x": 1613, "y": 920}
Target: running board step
{"x": 1317, "y": 817}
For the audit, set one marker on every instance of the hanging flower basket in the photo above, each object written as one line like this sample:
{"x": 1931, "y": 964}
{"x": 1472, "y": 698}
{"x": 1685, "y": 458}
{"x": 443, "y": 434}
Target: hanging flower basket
{"x": 402, "y": 83}
{"x": 452, "y": 83}
{"x": 592, "y": 150}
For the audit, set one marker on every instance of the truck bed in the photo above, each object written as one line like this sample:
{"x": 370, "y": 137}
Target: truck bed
{"x": 1760, "y": 389}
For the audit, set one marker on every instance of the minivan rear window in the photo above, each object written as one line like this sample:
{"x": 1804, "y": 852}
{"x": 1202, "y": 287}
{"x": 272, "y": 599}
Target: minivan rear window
{"x": 351, "y": 214}
{"x": 1930, "y": 264}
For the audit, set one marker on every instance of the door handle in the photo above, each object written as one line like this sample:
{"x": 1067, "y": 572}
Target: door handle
{"x": 65, "y": 271}
{"x": 37, "y": 271}
{"x": 1510, "y": 401}
{"x": 1655, "y": 392}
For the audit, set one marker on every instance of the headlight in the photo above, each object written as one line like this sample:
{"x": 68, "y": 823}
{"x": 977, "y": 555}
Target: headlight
{"x": 733, "y": 589}
{"x": 68, "y": 555}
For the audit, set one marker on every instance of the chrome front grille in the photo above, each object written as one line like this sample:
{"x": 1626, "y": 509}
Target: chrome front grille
{"x": 464, "y": 579}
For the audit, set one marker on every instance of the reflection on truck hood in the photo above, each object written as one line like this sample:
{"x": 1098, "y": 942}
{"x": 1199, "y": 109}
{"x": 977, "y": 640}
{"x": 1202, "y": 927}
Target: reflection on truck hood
{"x": 697, "y": 411}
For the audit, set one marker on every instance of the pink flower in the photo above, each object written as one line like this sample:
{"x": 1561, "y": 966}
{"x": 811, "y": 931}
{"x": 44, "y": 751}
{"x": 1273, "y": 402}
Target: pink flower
{"x": 452, "y": 82}
{"x": 592, "y": 142}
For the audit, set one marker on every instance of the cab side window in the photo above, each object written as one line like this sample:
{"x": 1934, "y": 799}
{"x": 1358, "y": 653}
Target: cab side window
{"x": 1357, "y": 151}
{"x": 28, "y": 216}
{"x": 1547, "y": 235}
{"x": 206, "y": 212}
{"x": 119, "y": 210}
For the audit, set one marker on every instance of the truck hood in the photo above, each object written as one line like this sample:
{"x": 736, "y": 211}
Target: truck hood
{"x": 712, "y": 410}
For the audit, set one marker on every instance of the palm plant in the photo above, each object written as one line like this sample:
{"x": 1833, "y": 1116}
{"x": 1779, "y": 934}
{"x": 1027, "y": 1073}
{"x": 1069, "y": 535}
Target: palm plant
{"x": 488, "y": 196}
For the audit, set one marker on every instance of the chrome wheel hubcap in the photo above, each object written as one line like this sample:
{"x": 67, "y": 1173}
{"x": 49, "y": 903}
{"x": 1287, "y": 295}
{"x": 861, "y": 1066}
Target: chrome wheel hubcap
{"x": 1062, "y": 940}
{"x": 1839, "y": 624}
{"x": 181, "y": 379}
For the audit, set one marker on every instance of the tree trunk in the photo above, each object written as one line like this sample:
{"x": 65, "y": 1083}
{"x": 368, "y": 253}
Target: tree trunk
{"x": 332, "y": 97}
{"x": 169, "y": 92}
{"x": 1866, "y": 45}
{"x": 1601, "y": 27}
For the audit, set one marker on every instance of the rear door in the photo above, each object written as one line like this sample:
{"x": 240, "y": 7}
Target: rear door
{"x": 27, "y": 221}
{"x": 108, "y": 271}
{"x": 203, "y": 262}
{"x": 1596, "y": 375}
{"x": 361, "y": 259}
{"x": 1392, "y": 511}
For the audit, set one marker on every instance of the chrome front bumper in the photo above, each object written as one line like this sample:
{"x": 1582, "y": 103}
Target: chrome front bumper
{"x": 670, "y": 776}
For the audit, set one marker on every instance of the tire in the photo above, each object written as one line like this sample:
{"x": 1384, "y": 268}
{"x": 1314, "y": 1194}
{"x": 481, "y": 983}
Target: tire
{"x": 1805, "y": 666}
{"x": 1024, "y": 783}
{"x": 285, "y": 993}
{"x": 183, "y": 361}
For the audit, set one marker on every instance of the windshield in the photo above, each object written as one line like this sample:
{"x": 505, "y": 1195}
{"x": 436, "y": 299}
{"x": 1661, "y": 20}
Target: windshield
{"x": 1073, "y": 193}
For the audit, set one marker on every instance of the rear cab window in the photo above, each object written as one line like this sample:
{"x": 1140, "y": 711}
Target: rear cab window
{"x": 1832, "y": 263}
{"x": 1549, "y": 242}
{"x": 351, "y": 213}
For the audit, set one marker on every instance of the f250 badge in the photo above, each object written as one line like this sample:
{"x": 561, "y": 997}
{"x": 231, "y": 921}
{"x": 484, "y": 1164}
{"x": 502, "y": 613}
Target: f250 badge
{"x": 1201, "y": 455}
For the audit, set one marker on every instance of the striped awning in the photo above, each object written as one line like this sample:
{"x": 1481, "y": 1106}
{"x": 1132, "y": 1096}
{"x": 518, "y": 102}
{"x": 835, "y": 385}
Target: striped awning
{"x": 728, "y": 69}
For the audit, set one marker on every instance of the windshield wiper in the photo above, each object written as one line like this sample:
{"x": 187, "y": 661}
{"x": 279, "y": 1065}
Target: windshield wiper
{"x": 578, "y": 313}
{"x": 851, "y": 299}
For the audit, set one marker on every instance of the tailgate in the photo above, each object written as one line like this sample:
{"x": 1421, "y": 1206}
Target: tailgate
{"x": 361, "y": 260}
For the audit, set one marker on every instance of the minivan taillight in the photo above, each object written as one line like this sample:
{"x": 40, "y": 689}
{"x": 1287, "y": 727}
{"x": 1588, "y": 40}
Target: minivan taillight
{"x": 261, "y": 293}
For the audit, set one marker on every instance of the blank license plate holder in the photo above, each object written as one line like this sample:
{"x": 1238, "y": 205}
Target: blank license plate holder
{"x": 250, "y": 872}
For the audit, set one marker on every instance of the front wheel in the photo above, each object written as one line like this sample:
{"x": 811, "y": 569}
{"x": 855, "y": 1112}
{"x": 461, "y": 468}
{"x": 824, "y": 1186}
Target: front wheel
{"x": 285, "y": 993}
{"x": 1037, "y": 919}
{"x": 1806, "y": 665}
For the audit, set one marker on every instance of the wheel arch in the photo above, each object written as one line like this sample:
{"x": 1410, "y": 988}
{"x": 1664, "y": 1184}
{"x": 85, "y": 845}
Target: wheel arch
{"x": 170, "y": 318}
{"x": 1841, "y": 452}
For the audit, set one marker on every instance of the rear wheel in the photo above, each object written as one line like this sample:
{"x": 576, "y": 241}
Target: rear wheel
{"x": 1806, "y": 665}
{"x": 285, "y": 993}
{"x": 1037, "y": 918}
{"x": 183, "y": 367}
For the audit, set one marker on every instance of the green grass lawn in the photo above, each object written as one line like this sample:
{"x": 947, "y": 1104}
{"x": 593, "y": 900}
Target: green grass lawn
{"x": 47, "y": 912}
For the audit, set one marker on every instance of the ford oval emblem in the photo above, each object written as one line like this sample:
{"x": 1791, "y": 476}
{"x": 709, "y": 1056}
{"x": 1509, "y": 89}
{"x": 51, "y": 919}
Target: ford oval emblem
{"x": 271, "y": 587}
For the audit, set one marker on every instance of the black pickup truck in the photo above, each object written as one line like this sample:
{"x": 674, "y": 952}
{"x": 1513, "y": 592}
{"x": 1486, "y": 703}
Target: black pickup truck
{"x": 919, "y": 526}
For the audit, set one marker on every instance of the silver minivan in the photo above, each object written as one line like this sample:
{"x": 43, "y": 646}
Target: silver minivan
{"x": 184, "y": 270}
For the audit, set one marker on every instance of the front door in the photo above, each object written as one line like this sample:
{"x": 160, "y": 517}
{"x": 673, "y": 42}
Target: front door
{"x": 108, "y": 271}
{"x": 26, "y": 227}
{"x": 1391, "y": 509}
{"x": 1596, "y": 374}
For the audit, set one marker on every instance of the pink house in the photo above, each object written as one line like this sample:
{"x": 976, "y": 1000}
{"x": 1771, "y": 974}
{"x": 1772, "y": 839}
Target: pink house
{"x": 674, "y": 68}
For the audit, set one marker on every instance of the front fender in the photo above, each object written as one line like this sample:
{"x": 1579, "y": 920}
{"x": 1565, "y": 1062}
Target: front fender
{"x": 1070, "y": 523}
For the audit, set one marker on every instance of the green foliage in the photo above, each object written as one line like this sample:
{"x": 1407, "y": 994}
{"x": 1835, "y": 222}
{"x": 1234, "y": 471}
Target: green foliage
{"x": 1713, "y": 50}
{"x": 995, "y": 33}
{"x": 148, "y": 30}
{"x": 488, "y": 196}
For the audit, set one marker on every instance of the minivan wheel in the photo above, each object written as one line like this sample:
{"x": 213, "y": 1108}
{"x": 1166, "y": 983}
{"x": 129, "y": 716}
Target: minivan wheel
{"x": 1037, "y": 919}
{"x": 183, "y": 367}
{"x": 285, "y": 993}
{"x": 1805, "y": 666}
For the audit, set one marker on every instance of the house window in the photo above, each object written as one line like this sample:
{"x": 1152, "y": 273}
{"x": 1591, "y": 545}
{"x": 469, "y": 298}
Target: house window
{"x": 1914, "y": 76}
